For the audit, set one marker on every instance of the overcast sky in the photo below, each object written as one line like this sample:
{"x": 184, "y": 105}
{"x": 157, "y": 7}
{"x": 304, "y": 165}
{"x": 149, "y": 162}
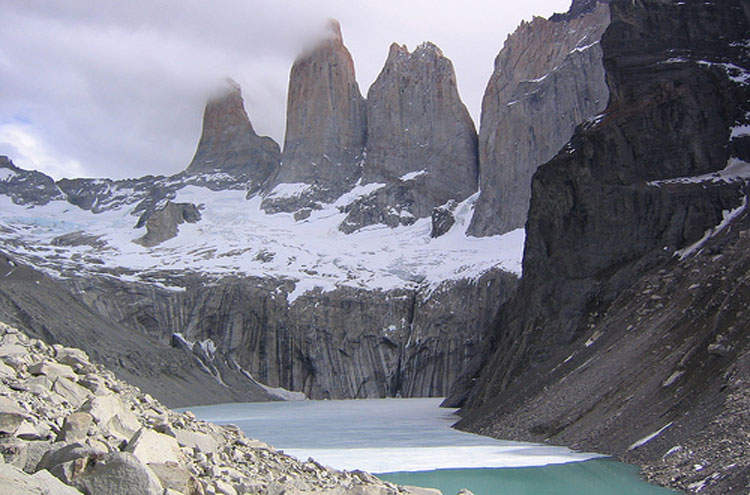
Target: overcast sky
{"x": 117, "y": 89}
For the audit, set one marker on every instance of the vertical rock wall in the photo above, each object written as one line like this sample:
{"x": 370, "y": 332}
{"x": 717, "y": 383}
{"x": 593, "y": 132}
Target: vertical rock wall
{"x": 548, "y": 78}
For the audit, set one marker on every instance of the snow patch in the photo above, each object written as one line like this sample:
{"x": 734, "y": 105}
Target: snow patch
{"x": 643, "y": 441}
{"x": 735, "y": 170}
{"x": 6, "y": 174}
{"x": 412, "y": 175}
{"x": 728, "y": 216}
{"x": 293, "y": 190}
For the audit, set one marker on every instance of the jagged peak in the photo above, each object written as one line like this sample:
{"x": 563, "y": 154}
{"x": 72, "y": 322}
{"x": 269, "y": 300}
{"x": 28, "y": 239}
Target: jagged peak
{"x": 333, "y": 30}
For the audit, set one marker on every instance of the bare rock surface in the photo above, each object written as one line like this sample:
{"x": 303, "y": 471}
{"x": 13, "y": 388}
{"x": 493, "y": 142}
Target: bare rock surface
{"x": 626, "y": 334}
{"x": 421, "y": 141}
{"x": 548, "y": 78}
{"x": 162, "y": 224}
{"x": 162, "y": 456}
{"x": 230, "y": 145}
{"x": 325, "y": 130}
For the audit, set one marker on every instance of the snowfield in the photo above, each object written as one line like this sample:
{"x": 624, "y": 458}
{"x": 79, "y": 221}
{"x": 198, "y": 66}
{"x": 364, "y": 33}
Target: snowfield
{"x": 236, "y": 237}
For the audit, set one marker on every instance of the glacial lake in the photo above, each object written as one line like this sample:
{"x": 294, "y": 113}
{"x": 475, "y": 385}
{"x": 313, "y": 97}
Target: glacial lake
{"x": 410, "y": 442}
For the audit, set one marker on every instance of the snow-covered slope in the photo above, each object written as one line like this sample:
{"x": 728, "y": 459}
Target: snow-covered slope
{"x": 235, "y": 236}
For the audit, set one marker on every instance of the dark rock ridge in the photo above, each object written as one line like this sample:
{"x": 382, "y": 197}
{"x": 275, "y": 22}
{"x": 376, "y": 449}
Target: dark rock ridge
{"x": 46, "y": 309}
{"x": 162, "y": 224}
{"x": 421, "y": 141}
{"x": 548, "y": 78}
{"x": 229, "y": 143}
{"x": 345, "y": 343}
{"x": 612, "y": 343}
{"x": 26, "y": 187}
{"x": 325, "y": 128}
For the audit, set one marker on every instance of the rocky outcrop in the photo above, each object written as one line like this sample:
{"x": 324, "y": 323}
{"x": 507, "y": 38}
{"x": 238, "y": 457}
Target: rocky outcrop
{"x": 623, "y": 336}
{"x": 162, "y": 224}
{"x": 421, "y": 141}
{"x": 26, "y": 187}
{"x": 46, "y": 309}
{"x": 128, "y": 443}
{"x": 229, "y": 144}
{"x": 344, "y": 343}
{"x": 548, "y": 78}
{"x": 325, "y": 129}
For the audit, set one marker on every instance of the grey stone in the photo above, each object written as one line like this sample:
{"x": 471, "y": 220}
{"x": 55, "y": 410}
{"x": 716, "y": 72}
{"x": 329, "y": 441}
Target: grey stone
{"x": 152, "y": 447}
{"x": 112, "y": 415}
{"x": 71, "y": 392}
{"x": 119, "y": 473}
{"x": 75, "y": 428}
{"x": 173, "y": 476}
{"x": 52, "y": 370}
{"x": 74, "y": 358}
{"x": 14, "y": 481}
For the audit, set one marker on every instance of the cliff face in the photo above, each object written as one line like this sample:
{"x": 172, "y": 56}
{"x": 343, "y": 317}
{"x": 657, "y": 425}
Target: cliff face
{"x": 421, "y": 141}
{"x": 596, "y": 351}
{"x": 325, "y": 129}
{"x": 548, "y": 78}
{"x": 345, "y": 343}
{"x": 46, "y": 309}
{"x": 229, "y": 143}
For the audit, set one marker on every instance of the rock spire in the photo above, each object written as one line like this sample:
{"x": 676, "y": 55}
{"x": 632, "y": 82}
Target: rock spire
{"x": 229, "y": 144}
{"x": 548, "y": 78}
{"x": 421, "y": 141}
{"x": 326, "y": 126}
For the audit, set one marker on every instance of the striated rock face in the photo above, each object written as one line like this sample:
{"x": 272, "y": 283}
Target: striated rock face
{"x": 46, "y": 309}
{"x": 128, "y": 443}
{"x": 548, "y": 78}
{"x": 345, "y": 343}
{"x": 421, "y": 141}
{"x": 326, "y": 126}
{"x": 163, "y": 224}
{"x": 626, "y": 321}
{"x": 229, "y": 144}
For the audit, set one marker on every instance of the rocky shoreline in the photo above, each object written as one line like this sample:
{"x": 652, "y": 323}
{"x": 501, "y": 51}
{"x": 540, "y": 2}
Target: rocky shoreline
{"x": 68, "y": 426}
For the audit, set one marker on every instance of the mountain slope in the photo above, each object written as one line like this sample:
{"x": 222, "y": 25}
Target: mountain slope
{"x": 639, "y": 219}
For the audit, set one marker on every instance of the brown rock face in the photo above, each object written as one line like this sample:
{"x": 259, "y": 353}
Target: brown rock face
{"x": 326, "y": 125}
{"x": 229, "y": 143}
{"x": 416, "y": 124}
{"x": 548, "y": 78}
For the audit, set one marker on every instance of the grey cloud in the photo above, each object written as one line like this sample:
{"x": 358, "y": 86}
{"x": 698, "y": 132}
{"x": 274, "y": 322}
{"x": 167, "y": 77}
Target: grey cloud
{"x": 121, "y": 90}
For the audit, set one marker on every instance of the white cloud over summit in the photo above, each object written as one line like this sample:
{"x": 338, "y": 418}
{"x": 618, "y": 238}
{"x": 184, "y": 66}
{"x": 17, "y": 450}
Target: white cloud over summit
{"x": 117, "y": 89}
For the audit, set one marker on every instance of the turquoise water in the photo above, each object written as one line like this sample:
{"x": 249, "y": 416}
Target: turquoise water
{"x": 594, "y": 477}
{"x": 412, "y": 441}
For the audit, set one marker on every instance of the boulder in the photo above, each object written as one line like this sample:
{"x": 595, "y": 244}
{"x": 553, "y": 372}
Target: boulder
{"x": 174, "y": 477}
{"x": 201, "y": 442}
{"x": 75, "y": 358}
{"x": 67, "y": 462}
{"x": 14, "y": 481}
{"x": 152, "y": 447}
{"x": 119, "y": 473}
{"x": 11, "y": 416}
{"x": 71, "y": 392}
{"x": 52, "y": 370}
{"x": 112, "y": 416}
{"x": 75, "y": 428}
